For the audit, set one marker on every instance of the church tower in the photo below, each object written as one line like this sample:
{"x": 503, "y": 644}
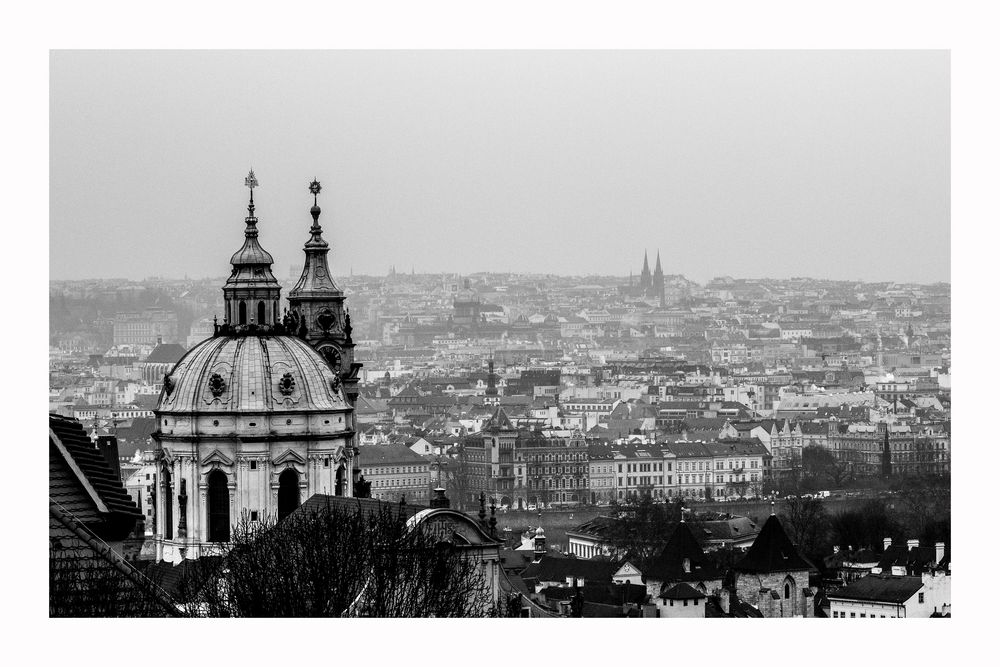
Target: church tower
{"x": 645, "y": 280}
{"x": 251, "y": 293}
{"x": 317, "y": 304}
{"x": 659, "y": 289}
{"x": 492, "y": 397}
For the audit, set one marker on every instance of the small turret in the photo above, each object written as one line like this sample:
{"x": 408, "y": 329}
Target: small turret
{"x": 540, "y": 548}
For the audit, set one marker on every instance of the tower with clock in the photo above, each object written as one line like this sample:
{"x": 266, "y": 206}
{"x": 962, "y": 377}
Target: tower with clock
{"x": 317, "y": 304}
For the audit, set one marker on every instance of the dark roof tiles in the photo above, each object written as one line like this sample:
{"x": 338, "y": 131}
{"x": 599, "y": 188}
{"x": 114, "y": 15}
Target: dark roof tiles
{"x": 772, "y": 551}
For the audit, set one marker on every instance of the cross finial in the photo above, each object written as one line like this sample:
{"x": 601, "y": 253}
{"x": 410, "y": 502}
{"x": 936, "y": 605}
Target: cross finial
{"x": 251, "y": 182}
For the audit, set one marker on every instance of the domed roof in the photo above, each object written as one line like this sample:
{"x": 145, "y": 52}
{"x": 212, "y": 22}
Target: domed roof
{"x": 251, "y": 253}
{"x": 251, "y": 374}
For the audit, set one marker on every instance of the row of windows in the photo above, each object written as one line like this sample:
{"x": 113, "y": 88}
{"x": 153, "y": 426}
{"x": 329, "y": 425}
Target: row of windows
{"x": 863, "y": 615}
{"x": 395, "y": 470}
{"x": 539, "y": 458}
{"x": 410, "y": 481}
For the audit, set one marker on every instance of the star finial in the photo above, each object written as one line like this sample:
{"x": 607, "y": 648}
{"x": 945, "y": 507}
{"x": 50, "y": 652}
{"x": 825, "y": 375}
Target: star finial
{"x": 314, "y": 188}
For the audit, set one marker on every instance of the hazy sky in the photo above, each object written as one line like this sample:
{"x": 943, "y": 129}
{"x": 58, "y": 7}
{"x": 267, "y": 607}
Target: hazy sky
{"x": 750, "y": 164}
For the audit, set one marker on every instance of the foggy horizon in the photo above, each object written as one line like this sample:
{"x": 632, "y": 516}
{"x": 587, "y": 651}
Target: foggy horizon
{"x": 832, "y": 165}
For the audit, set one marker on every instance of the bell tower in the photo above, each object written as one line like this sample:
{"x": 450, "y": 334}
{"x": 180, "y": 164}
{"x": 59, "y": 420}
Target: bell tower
{"x": 317, "y": 304}
{"x": 251, "y": 292}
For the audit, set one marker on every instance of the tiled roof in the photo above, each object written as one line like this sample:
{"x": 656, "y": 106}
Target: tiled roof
{"x": 320, "y": 503}
{"x": 557, "y": 568}
{"x": 682, "y": 591}
{"x": 879, "y": 588}
{"x": 918, "y": 558}
{"x": 499, "y": 420}
{"x": 736, "y": 528}
{"x": 88, "y": 578}
{"x": 597, "y": 527}
{"x": 375, "y": 455}
{"x": 165, "y": 353}
{"x": 669, "y": 564}
{"x": 733, "y": 447}
{"x": 772, "y": 551}
{"x": 82, "y": 483}
{"x": 599, "y": 593}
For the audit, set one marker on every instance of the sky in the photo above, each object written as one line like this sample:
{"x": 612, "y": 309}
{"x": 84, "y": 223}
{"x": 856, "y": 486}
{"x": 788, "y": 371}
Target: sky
{"x": 826, "y": 164}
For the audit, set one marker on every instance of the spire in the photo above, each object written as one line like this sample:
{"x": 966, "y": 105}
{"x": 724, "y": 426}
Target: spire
{"x": 251, "y": 253}
{"x": 646, "y": 279}
{"x": 658, "y": 270}
{"x": 251, "y": 291}
{"x": 315, "y": 271}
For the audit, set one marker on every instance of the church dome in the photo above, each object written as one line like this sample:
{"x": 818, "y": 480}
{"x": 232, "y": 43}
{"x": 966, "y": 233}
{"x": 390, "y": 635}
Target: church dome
{"x": 251, "y": 374}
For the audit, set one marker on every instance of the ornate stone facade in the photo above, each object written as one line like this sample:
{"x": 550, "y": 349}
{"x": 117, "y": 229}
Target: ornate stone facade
{"x": 251, "y": 422}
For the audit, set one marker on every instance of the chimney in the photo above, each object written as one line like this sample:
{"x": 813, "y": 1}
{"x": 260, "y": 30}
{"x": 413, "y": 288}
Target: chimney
{"x": 159, "y": 340}
{"x": 439, "y": 499}
{"x": 107, "y": 445}
{"x": 912, "y": 544}
{"x": 938, "y": 552}
{"x": 886, "y": 543}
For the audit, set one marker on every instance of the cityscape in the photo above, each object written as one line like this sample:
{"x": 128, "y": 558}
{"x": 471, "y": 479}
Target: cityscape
{"x": 506, "y": 365}
{"x": 638, "y": 445}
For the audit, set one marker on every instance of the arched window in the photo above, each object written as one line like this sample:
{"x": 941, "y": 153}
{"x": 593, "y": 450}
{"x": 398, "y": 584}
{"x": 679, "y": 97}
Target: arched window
{"x": 261, "y": 312}
{"x": 168, "y": 503}
{"x": 788, "y": 590}
{"x": 243, "y": 313}
{"x": 218, "y": 506}
{"x": 339, "y": 489}
{"x": 288, "y": 493}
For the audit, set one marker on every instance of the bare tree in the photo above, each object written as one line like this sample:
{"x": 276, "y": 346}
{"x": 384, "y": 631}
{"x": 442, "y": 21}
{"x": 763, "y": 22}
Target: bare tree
{"x": 807, "y": 524}
{"x": 339, "y": 562}
{"x": 642, "y": 528}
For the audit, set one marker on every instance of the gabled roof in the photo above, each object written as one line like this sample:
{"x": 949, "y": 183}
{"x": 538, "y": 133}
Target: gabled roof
{"x": 669, "y": 564}
{"x": 83, "y": 484}
{"x": 682, "y": 591}
{"x": 166, "y": 353}
{"x": 772, "y": 551}
{"x": 499, "y": 420}
{"x": 879, "y": 588}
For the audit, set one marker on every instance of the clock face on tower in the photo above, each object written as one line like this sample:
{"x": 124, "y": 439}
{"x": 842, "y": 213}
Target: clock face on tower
{"x": 332, "y": 356}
